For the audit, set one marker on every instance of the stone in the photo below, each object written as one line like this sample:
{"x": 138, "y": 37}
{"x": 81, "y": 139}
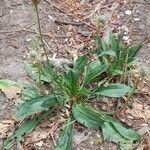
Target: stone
{"x": 128, "y": 12}
{"x": 136, "y": 19}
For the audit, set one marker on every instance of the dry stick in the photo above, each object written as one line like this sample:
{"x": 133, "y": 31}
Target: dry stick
{"x": 31, "y": 25}
{"x": 63, "y": 11}
{"x": 69, "y": 23}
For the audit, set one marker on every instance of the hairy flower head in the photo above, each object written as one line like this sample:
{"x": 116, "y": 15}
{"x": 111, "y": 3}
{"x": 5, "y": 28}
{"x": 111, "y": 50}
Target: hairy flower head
{"x": 36, "y": 2}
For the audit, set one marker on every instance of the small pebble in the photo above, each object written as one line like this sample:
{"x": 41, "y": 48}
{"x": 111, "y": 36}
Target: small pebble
{"x": 28, "y": 39}
{"x": 136, "y": 19}
{"x": 128, "y": 12}
{"x": 125, "y": 28}
{"x": 126, "y": 38}
{"x": 11, "y": 11}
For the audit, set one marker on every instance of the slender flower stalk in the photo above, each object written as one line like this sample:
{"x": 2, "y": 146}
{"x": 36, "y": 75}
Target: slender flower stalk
{"x": 36, "y": 3}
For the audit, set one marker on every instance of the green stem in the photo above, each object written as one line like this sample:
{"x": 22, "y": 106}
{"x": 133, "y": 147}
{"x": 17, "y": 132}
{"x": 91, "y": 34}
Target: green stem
{"x": 40, "y": 34}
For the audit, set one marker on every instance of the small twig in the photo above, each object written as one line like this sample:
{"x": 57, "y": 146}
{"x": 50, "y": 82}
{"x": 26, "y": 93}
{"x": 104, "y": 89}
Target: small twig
{"x": 31, "y": 25}
{"x": 69, "y": 23}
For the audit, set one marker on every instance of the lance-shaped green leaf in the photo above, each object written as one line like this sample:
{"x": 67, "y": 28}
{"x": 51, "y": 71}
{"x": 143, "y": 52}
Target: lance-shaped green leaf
{"x": 29, "y": 91}
{"x": 112, "y": 129}
{"x": 133, "y": 51}
{"x": 107, "y": 53}
{"x": 83, "y": 91}
{"x": 72, "y": 80}
{"x": 26, "y": 128}
{"x": 35, "y": 105}
{"x": 110, "y": 134}
{"x": 94, "y": 70}
{"x": 53, "y": 101}
{"x": 113, "y": 90}
{"x": 80, "y": 64}
{"x": 113, "y": 41}
{"x": 65, "y": 139}
{"x": 119, "y": 45}
{"x": 87, "y": 116}
{"x": 129, "y": 134}
{"x": 33, "y": 73}
{"x": 102, "y": 45}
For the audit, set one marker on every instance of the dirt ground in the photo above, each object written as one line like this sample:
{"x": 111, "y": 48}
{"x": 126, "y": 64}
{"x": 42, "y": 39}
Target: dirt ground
{"x": 18, "y": 29}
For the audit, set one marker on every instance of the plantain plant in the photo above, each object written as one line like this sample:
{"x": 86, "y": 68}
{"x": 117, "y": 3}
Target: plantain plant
{"x": 72, "y": 87}
{"x": 117, "y": 55}
{"x": 75, "y": 88}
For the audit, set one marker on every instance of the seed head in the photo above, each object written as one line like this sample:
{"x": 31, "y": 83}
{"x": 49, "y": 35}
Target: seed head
{"x": 36, "y": 2}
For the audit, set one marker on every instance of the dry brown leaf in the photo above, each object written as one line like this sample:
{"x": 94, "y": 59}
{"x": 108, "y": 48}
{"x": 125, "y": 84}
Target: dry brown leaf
{"x": 11, "y": 92}
{"x": 145, "y": 145}
{"x": 36, "y": 135}
{"x": 9, "y": 88}
{"x": 5, "y": 125}
{"x": 140, "y": 111}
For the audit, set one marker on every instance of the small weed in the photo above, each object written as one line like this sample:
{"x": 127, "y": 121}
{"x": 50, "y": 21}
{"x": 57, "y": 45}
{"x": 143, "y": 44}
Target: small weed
{"x": 118, "y": 56}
